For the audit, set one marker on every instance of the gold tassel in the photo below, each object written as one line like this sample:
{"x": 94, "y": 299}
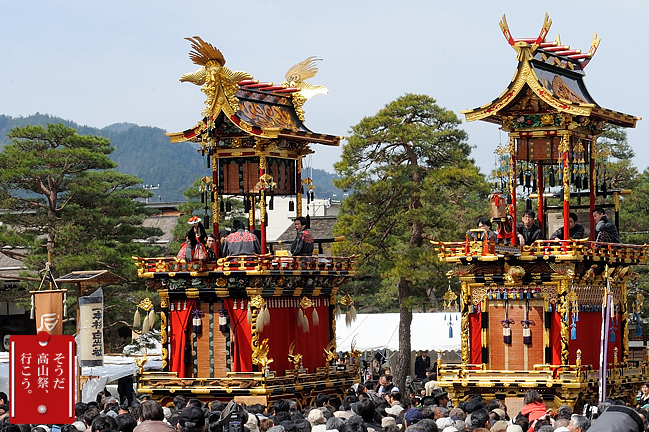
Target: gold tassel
{"x": 305, "y": 324}
{"x": 137, "y": 319}
{"x": 152, "y": 317}
{"x": 315, "y": 317}
{"x": 337, "y": 311}
{"x": 266, "y": 315}
{"x": 260, "y": 320}
{"x": 249, "y": 316}
{"x": 299, "y": 318}
{"x": 145, "y": 325}
{"x": 348, "y": 319}
{"x": 352, "y": 312}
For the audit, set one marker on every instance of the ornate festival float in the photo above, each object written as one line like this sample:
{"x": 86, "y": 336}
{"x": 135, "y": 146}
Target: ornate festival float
{"x": 551, "y": 315}
{"x": 256, "y": 327}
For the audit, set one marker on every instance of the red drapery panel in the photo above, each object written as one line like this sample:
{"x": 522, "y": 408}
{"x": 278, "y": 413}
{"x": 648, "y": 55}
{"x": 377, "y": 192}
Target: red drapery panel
{"x": 180, "y": 317}
{"x": 588, "y": 339}
{"x": 283, "y": 330}
{"x": 475, "y": 338}
{"x": 241, "y": 336}
{"x": 555, "y": 338}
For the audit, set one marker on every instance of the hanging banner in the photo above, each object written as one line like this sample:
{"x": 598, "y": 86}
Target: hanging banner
{"x": 41, "y": 379}
{"x": 91, "y": 330}
{"x": 48, "y": 308}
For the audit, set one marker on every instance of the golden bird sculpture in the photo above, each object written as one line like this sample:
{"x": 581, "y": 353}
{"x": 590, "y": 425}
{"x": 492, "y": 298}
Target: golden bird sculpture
{"x": 218, "y": 82}
{"x": 296, "y": 358}
{"x": 260, "y": 354}
{"x": 296, "y": 77}
{"x": 330, "y": 351}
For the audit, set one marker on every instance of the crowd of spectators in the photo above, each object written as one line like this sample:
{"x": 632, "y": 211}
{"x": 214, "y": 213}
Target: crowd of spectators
{"x": 362, "y": 410}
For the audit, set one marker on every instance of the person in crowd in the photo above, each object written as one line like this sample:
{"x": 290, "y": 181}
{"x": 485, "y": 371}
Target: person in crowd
{"x": 385, "y": 385}
{"x": 643, "y": 395}
{"x": 578, "y": 423}
{"x": 576, "y": 230}
{"x": 303, "y": 243}
{"x": 151, "y": 418}
{"x": 533, "y": 406}
{"x": 241, "y": 241}
{"x": 192, "y": 419}
{"x": 527, "y": 231}
{"x": 605, "y": 230}
{"x": 422, "y": 363}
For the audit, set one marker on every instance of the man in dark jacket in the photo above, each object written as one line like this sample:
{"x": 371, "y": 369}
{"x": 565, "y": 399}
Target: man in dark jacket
{"x": 576, "y": 230}
{"x": 527, "y": 231}
{"x": 422, "y": 362}
{"x": 605, "y": 230}
{"x": 241, "y": 241}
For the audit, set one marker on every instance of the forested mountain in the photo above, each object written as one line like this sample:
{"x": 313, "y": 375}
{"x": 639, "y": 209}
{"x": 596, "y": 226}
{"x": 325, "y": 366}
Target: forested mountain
{"x": 147, "y": 153}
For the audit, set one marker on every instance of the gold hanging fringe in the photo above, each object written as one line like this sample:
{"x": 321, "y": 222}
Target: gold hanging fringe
{"x": 137, "y": 319}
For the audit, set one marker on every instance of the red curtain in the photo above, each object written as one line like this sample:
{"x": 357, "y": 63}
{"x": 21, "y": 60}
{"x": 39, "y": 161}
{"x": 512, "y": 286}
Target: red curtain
{"x": 588, "y": 339}
{"x": 555, "y": 338}
{"x": 283, "y": 330}
{"x": 475, "y": 338}
{"x": 241, "y": 336}
{"x": 180, "y": 317}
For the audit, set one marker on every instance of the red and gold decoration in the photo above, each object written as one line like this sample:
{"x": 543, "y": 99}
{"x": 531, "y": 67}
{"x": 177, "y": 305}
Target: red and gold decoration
{"x": 529, "y": 312}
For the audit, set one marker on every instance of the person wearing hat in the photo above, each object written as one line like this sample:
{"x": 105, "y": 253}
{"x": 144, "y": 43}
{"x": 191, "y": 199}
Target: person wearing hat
{"x": 412, "y": 416}
{"x": 192, "y": 419}
{"x": 441, "y": 397}
{"x": 241, "y": 241}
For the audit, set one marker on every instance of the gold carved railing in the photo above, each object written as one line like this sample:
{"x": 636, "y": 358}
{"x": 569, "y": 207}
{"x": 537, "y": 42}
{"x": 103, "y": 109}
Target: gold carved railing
{"x": 146, "y": 267}
{"x": 566, "y": 249}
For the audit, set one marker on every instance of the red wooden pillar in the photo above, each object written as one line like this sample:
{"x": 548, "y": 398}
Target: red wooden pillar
{"x": 512, "y": 187}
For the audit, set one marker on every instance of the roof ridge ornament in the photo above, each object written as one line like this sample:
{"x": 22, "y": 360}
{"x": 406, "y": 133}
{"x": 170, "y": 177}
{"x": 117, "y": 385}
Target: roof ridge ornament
{"x": 218, "y": 82}
{"x": 296, "y": 77}
{"x": 575, "y": 55}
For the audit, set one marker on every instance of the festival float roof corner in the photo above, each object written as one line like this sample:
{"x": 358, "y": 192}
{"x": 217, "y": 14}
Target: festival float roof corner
{"x": 549, "y": 76}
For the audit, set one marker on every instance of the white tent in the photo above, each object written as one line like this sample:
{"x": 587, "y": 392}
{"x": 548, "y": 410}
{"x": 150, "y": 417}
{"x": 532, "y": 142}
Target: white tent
{"x": 428, "y": 331}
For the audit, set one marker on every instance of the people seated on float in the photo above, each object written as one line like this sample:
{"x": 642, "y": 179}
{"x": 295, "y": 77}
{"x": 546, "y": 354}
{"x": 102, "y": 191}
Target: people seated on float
{"x": 241, "y": 241}
{"x": 605, "y": 230}
{"x": 576, "y": 230}
{"x": 223, "y": 234}
{"x": 303, "y": 243}
{"x": 196, "y": 236}
{"x": 211, "y": 247}
{"x": 487, "y": 234}
{"x": 527, "y": 231}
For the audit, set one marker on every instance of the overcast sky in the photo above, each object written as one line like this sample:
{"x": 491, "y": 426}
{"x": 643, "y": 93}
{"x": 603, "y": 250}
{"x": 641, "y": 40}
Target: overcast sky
{"x": 104, "y": 62}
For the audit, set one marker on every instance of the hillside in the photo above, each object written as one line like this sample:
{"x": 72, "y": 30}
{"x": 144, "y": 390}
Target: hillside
{"x": 147, "y": 153}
